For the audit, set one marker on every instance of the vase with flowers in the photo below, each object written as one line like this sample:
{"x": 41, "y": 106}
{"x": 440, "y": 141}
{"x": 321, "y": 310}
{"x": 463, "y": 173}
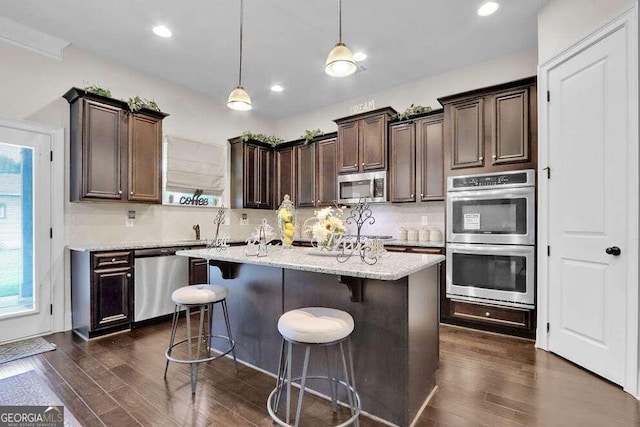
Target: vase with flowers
{"x": 327, "y": 228}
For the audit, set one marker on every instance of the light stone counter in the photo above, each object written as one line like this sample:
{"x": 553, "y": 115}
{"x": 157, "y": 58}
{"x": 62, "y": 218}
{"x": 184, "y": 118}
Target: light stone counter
{"x": 120, "y": 246}
{"x": 392, "y": 266}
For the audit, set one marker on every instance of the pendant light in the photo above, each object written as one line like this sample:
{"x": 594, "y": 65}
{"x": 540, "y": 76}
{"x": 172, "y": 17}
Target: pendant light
{"x": 340, "y": 62}
{"x": 239, "y": 99}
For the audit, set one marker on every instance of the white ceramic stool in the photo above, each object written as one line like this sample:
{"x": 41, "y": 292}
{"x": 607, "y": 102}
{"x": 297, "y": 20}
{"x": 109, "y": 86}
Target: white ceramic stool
{"x": 202, "y": 297}
{"x": 314, "y": 327}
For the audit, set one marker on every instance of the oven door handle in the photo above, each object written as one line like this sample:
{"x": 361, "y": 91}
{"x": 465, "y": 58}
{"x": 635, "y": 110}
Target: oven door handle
{"x": 493, "y": 249}
{"x": 510, "y": 193}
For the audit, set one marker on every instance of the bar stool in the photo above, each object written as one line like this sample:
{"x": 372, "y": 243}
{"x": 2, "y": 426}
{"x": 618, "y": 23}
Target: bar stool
{"x": 315, "y": 327}
{"x": 202, "y": 297}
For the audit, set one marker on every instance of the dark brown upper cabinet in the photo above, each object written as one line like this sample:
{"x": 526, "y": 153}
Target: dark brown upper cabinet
{"x": 491, "y": 129}
{"x": 285, "y": 174}
{"x": 416, "y": 159}
{"x": 251, "y": 174}
{"x": 316, "y": 173}
{"x": 362, "y": 141}
{"x": 116, "y": 155}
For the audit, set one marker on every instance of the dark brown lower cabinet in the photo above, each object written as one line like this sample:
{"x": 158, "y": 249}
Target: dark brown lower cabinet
{"x": 198, "y": 271}
{"x": 101, "y": 292}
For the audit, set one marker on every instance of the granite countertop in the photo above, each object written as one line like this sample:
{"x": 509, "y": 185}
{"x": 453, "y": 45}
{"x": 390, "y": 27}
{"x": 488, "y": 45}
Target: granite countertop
{"x": 395, "y": 242}
{"x": 393, "y": 266}
{"x": 141, "y": 245}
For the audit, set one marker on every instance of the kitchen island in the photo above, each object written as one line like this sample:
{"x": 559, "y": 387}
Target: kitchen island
{"x": 394, "y": 304}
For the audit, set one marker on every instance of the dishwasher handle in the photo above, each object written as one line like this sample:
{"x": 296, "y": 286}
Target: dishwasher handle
{"x": 155, "y": 252}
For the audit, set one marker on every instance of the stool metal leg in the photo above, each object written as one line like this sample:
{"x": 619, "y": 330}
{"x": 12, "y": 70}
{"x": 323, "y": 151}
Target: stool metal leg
{"x": 194, "y": 366}
{"x": 289, "y": 363}
{"x": 231, "y": 341}
{"x": 302, "y": 384}
{"x": 346, "y": 379}
{"x": 174, "y": 327}
{"x": 281, "y": 373}
{"x": 209, "y": 328}
{"x": 353, "y": 375}
{"x": 334, "y": 400}
{"x": 189, "y": 343}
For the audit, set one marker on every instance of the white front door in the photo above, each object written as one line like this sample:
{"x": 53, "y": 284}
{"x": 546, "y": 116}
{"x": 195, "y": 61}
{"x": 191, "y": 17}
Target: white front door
{"x": 588, "y": 148}
{"x": 25, "y": 221}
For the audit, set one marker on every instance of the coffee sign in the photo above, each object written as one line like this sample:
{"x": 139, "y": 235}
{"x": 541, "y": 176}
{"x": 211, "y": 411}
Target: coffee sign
{"x": 197, "y": 198}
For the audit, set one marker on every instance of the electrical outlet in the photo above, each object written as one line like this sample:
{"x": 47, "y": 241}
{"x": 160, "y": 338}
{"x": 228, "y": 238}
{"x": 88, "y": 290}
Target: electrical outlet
{"x": 244, "y": 220}
{"x": 131, "y": 215}
{"x": 129, "y": 222}
{"x": 425, "y": 220}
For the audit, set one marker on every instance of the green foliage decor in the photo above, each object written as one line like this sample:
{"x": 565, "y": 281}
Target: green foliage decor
{"x": 412, "y": 110}
{"x": 98, "y": 90}
{"x": 137, "y": 103}
{"x": 310, "y": 134}
{"x": 267, "y": 139}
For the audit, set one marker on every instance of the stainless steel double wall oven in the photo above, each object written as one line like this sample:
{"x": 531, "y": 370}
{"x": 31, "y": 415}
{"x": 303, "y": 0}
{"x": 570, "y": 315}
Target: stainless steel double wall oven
{"x": 491, "y": 238}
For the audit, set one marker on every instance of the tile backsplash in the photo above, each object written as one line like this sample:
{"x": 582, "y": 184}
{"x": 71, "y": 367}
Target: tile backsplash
{"x": 87, "y": 223}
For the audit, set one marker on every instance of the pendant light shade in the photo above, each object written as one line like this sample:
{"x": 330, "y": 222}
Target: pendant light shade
{"x": 340, "y": 62}
{"x": 239, "y": 99}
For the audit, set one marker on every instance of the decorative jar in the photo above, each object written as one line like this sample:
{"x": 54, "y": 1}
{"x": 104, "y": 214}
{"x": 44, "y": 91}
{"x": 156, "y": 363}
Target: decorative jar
{"x": 287, "y": 222}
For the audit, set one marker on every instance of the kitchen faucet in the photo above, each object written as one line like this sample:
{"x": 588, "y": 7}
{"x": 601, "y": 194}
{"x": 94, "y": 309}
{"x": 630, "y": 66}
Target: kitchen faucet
{"x": 197, "y": 230}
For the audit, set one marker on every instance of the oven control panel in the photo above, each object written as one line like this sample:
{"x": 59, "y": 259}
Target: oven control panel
{"x": 498, "y": 180}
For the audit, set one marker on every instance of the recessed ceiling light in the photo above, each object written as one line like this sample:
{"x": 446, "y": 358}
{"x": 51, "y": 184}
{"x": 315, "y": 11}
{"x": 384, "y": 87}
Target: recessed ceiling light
{"x": 162, "y": 31}
{"x": 359, "y": 56}
{"x": 277, "y": 88}
{"x": 488, "y": 8}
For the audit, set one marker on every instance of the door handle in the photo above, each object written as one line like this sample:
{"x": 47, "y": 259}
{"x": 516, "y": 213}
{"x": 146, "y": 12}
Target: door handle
{"x": 613, "y": 250}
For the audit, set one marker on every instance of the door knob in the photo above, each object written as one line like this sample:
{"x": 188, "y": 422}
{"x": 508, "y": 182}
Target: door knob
{"x": 613, "y": 250}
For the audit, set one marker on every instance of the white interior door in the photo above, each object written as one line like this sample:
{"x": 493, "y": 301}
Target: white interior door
{"x": 25, "y": 221}
{"x": 588, "y": 144}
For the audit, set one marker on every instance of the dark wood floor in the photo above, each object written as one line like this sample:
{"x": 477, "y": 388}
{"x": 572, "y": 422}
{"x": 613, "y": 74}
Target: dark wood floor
{"x": 484, "y": 380}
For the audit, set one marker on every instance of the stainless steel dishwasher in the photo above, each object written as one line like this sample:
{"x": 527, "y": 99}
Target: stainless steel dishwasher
{"x": 158, "y": 272}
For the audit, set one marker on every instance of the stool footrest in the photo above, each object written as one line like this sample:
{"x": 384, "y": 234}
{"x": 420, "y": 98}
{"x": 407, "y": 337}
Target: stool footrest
{"x": 206, "y": 359}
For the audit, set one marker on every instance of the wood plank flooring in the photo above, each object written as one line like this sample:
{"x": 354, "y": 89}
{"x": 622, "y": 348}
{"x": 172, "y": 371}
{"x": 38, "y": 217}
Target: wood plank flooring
{"x": 484, "y": 380}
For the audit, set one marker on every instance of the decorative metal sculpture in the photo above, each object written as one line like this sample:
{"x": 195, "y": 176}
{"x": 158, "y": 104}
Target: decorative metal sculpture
{"x": 219, "y": 243}
{"x": 369, "y": 250}
{"x": 257, "y": 244}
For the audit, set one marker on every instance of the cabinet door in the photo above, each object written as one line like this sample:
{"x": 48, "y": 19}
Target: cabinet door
{"x": 111, "y": 298}
{"x": 263, "y": 185}
{"x": 306, "y": 175}
{"x": 326, "y": 181}
{"x": 145, "y": 159}
{"x": 348, "y": 141}
{"x": 198, "y": 271}
{"x": 251, "y": 175}
{"x": 467, "y": 133}
{"x": 103, "y": 132}
{"x": 430, "y": 139}
{"x": 285, "y": 174}
{"x": 510, "y": 127}
{"x": 403, "y": 163}
{"x": 373, "y": 140}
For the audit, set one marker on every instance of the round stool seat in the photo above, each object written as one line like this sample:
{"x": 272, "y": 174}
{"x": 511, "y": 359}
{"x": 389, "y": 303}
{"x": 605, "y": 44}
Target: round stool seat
{"x": 315, "y": 325}
{"x": 199, "y": 294}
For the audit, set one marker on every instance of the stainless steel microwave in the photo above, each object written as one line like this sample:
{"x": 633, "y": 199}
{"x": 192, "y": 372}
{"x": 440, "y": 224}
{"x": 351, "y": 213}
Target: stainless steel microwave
{"x": 372, "y": 186}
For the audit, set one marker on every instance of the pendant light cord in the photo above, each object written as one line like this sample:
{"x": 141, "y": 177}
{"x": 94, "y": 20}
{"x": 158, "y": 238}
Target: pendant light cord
{"x": 241, "y": 22}
{"x": 340, "y": 21}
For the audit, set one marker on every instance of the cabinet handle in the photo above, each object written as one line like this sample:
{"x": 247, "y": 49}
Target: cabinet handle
{"x": 120, "y": 192}
{"x": 355, "y": 165}
{"x": 421, "y": 194}
{"x": 318, "y": 200}
{"x": 131, "y": 193}
{"x": 487, "y": 314}
{"x": 128, "y": 274}
{"x": 480, "y": 158}
{"x": 362, "y": 163}
{"x": 412, "y": 195}
{"x": 113, "y": 260}
{"x": 494, "y": 157}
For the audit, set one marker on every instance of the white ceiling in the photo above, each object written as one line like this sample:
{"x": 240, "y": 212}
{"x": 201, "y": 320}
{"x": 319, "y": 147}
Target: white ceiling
{"x": 286, "y": 41}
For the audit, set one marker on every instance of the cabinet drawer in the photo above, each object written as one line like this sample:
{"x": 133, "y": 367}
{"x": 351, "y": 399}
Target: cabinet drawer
{"x": 491, "y": 314}
{"x": 429, "y": 251}
{"x": 111, "y": 259}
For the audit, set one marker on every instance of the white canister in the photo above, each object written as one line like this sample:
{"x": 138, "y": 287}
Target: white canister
{"x": 412, "y": 235}
{"x": 402, "y": 233}
{"x": 435, "y": 236}
{"x": 423, "y": 235}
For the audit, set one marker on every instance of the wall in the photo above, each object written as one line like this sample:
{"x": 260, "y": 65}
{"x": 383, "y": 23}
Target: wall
{"x": 563, "y": 22}
{"x": 421, "y": 92}
{"x": 32, "y": 86}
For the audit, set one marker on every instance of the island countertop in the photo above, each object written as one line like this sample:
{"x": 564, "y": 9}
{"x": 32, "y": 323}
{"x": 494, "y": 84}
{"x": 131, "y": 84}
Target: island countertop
{"x": 392, "y": 266}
